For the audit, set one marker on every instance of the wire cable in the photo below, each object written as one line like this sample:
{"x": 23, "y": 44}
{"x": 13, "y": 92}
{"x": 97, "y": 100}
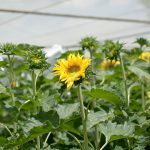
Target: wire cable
{"x": 74, "y": 16}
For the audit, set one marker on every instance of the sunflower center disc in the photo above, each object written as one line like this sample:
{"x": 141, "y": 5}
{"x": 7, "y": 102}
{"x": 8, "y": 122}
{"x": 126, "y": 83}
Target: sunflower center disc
{"x": 74, "y": 68}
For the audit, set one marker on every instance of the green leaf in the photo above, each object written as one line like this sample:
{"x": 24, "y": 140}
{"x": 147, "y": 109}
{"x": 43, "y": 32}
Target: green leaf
{"x": 97, "y": 117}
{"x": 118, "y": 148}
{"x": 51, "y": 116}
{"x": 34, "y": 132}
{"x": 139, "y": 72}
{"x": 30, "y": 123}
{"x": 105, "y": 95}
{"x": 114, "y": 131}
{"x": 66, "y": 110}
{"x": 2, "y": 141}
{"x": 2, "y": 89}
{"x": 3, "y": 63}
{"x": 72, "y": 125}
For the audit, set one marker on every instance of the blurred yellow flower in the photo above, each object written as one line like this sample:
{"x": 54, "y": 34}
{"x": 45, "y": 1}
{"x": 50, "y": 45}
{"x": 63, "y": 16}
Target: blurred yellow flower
{"x": 148, "y": 94}
{"x": 107, "y": 64}
{"x": 145, "y": 56}
{"x": 71, "y": 69}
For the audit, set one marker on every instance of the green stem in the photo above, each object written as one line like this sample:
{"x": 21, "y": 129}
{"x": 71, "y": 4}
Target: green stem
{"x": 92, "y": 69}
{"x": 124, "y": 81}
{"x": 11, "y": 78}
{"x": 143, "y": 97}
{"x": 6, "y": 129}
{"x": 97, "y": 138}
{"x": 104, "y": 145}
{"x": 44, "y": 145}
{"x": 129, "y": 146}
{"x": 84, "y": 119}
{"x": 76, "y": 140}
{"x": 38, "y": 143}
{"x": 34, "y": 98}
{"x": 34, "y": 84}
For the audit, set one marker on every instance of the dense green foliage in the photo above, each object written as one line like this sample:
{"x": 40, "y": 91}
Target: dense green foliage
{"x": 38, "y": 112}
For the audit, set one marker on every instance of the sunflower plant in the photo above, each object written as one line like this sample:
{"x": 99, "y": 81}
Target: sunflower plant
{"x": 79, "y": 102}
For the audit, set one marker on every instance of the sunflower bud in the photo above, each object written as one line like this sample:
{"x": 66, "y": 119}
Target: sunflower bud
{"x": 142, "y": 42}
{"x": 89, "y": 43}
{"x": 37, "y": 60}
{"x": 112, "y": 49}
{"x": 8, "y": 49}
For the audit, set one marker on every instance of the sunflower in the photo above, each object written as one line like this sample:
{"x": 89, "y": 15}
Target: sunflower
{"x": 71, "y": 69}
{"x": 145, "y": 56}
{"x": 107, "y": 64}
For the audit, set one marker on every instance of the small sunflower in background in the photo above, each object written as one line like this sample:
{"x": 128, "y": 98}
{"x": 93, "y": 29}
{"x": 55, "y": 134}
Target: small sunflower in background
{"x": 108, "y": 64}
{"x": 71, "y": 69}
{"x": 145, "y": 56}
{"x": 148, "y": 96}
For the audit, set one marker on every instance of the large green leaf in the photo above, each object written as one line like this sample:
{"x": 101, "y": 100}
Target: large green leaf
{"x": 66, "y": 110}
{"x": 114, "y": 131}
{"x": 139, "y": 72}
{"x": 105, "y": 95}
{"x": 51, "y": 116}
{"x": 97, "y": 117}
{"x": 34, "y": 132}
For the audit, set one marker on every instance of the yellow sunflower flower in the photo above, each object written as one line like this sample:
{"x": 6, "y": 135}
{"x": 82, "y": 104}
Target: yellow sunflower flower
{"x": 107, "y": 64}
{"x": 71, "y": 69}
{"x": 145, "y": 56}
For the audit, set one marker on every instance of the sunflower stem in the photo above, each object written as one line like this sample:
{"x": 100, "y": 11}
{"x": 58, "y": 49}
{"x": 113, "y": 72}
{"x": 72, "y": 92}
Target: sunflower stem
{"x": 84, "y": 118}
{"x": 12, "y": 80}
{"x": 97, "y": 135}
{"x": 34, "y": 78}
{"x": 142, "y": 95}
{"x": 124, "y": 80}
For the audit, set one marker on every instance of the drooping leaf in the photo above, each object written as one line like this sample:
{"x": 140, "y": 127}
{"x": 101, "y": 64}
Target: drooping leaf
{"x": 66, "y": 110}
{"x": 105, "y": 95}
{"x": 139, "y": 72}
{"x": 114, "y": 131}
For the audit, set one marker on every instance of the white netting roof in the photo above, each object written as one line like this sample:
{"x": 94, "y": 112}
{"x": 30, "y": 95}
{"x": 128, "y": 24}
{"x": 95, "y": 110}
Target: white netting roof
{"x": 65, "y": 22}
